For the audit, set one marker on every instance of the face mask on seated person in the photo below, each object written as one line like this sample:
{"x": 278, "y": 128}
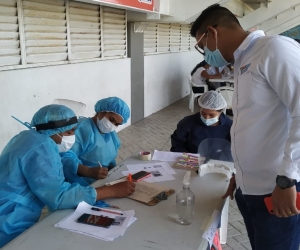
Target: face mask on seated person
{"x": 105, "y": 126}
{"x": 66, "y": 143}
{"x": 209, "y": 122}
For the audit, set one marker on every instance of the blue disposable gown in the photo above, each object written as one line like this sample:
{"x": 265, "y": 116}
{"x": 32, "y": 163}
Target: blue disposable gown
{"x": 191, "y": 131}
{"x": 90, "y": 147}
{"x": 31, "y": 176}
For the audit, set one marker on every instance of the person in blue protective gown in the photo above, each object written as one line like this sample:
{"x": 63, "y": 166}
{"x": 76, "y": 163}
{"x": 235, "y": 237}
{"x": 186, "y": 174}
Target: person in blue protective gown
{"x": 210, "y": 123}
{"x": 96, "y": 142}
{"x": 31, "y": 173}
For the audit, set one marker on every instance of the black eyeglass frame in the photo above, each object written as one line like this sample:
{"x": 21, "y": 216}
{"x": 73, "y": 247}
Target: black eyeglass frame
{"x": 201, "y": 51}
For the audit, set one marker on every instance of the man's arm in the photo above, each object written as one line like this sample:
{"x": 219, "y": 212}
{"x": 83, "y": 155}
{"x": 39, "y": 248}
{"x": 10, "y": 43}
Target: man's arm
{"x": 280, "y": 67}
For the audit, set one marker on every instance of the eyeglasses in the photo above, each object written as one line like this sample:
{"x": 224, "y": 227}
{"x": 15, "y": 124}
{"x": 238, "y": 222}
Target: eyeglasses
{"x": 200, "y": 50}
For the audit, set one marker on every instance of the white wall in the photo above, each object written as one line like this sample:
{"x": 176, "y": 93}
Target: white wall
{"x": 24, "y": 91}
{"x": 166, "y": 78}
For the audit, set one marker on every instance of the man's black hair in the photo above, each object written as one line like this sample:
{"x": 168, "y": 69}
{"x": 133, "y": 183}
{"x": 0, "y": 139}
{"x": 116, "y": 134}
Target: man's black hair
{"x": 214, "y": 15}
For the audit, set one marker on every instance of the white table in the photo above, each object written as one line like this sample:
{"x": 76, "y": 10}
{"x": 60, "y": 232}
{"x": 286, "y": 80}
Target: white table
{"x": 155, "y": 227}
{"x": 229, "y": 80}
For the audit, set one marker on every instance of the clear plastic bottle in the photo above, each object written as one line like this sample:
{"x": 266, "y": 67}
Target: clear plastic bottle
{"x": 185, "y": 201}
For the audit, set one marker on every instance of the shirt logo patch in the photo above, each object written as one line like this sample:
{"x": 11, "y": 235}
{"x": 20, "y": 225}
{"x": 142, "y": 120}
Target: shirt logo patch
{"x": 245, "y": 68}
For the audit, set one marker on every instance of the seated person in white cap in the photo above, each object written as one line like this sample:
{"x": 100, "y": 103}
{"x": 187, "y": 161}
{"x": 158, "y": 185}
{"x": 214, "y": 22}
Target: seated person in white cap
{"x": 210, "y": 123}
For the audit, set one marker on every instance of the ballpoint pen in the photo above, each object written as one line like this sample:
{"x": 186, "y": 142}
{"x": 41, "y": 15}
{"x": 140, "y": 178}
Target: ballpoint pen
{"x": 100, "y": 164}
{"x": 116, "y": 181}
{"x": 130, "y": 177}
{"x": 106, "y": 211}
{"x": 104, "y": 204}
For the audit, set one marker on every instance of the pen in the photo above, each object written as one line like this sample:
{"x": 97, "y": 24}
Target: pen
{"x": 100, "y": 164}
{"x": 102, "y": 204}
{"x": 117, "y": 181}
{"x": 130, "y": 177}
{"x": 106, "y": 211}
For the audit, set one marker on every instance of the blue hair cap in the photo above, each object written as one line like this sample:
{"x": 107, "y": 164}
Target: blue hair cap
{"x": 48, "y": 115}
{"x": 115, "y": 105}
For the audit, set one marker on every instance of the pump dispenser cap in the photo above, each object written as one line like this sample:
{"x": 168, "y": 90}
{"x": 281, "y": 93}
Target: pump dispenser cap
{"x": 187, "y": 179}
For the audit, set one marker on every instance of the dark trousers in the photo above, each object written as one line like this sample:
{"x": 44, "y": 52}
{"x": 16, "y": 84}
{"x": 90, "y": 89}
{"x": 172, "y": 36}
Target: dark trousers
{"x": 266, "y": 231}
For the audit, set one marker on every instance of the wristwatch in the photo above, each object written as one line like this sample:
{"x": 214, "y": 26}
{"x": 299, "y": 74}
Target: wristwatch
{"x": 284, "y": 182}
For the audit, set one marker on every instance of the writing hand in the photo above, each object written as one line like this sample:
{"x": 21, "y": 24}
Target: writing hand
{"x": 123, "y": 189}
{"x": 97, "y": 173}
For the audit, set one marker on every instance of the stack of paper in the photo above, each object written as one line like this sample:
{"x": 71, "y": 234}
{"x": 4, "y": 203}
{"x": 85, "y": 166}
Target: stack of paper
{"x": 108, "y": 234}
{"x": 161, "y": 171}
{"x": 165, "y": 156}
{"x": 189, "y": 162}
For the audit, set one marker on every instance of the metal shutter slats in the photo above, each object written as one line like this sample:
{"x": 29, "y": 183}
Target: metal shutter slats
{"x": 163, "y": 35}
{"x": 85, "y": 30}
{"x": 114, "y": 32}
{"x": 42, "y": 31}
{"x": 150, "y": 39}
{"x": 45, "y": 30}
{"x": 10, "y": 52}
{"x": 185, "y": 37}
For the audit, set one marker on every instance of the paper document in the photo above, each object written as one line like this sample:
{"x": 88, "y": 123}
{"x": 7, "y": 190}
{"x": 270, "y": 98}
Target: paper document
{"x": 145, "y": 192}
{"x": 212, "y": 226}
{"x": 153, "y": 165}
{"x": 161, "y": 171}
{"x": 116, "y": 230}
{"x": 165, "y": 156}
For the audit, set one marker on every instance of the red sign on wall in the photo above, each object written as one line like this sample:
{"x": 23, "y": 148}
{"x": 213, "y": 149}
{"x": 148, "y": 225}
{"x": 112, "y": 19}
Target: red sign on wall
{"x": 139, "y": 4}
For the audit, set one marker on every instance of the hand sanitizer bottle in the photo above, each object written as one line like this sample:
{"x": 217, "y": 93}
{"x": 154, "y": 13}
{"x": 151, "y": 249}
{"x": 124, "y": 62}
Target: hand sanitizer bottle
{"x": 185, "y": 200}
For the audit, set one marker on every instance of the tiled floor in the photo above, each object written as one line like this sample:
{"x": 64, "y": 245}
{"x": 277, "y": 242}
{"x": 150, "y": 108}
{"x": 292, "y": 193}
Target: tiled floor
{"x": 153, "y": 133}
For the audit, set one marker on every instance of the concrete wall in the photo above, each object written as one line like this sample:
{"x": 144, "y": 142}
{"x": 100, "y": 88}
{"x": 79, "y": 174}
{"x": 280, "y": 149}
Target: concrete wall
{"x": 24, "y": 91}
{"x": 166, "y": 78}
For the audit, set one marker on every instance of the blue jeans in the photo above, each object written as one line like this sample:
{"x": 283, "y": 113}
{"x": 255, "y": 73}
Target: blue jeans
{"x": 266, "y": 231}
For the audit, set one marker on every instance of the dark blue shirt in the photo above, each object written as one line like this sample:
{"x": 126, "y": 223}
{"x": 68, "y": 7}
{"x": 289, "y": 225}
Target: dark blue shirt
{"x": 191, "y": 131}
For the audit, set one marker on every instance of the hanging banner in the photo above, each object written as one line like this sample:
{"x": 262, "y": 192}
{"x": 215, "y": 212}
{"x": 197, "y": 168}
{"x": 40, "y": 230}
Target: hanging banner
{"x": 138, "y": 4}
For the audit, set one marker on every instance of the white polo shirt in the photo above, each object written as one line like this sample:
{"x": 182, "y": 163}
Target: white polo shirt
{"x": 197, "y": 79}
{"x": 266, "y": 106}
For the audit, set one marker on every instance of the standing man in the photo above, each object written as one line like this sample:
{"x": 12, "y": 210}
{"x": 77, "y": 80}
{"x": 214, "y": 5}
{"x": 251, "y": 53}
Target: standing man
{"x": 266, "y": 126}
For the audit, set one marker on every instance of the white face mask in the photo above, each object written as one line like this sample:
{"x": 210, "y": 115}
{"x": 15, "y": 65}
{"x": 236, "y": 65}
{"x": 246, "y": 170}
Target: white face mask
{"x": 105, "y": 126}
{"x": 209, "y": 122}
{"x": 66, "y": 143}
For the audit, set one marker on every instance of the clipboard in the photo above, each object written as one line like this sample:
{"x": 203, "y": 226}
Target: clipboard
{"x": 150, "y": 193}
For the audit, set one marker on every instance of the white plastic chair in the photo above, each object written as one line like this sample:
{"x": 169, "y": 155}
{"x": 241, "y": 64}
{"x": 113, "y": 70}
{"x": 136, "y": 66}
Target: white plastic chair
{"x": 227, "y": 93}
{"x": 194, "y": 95}
{"x": 77, "y": 107}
